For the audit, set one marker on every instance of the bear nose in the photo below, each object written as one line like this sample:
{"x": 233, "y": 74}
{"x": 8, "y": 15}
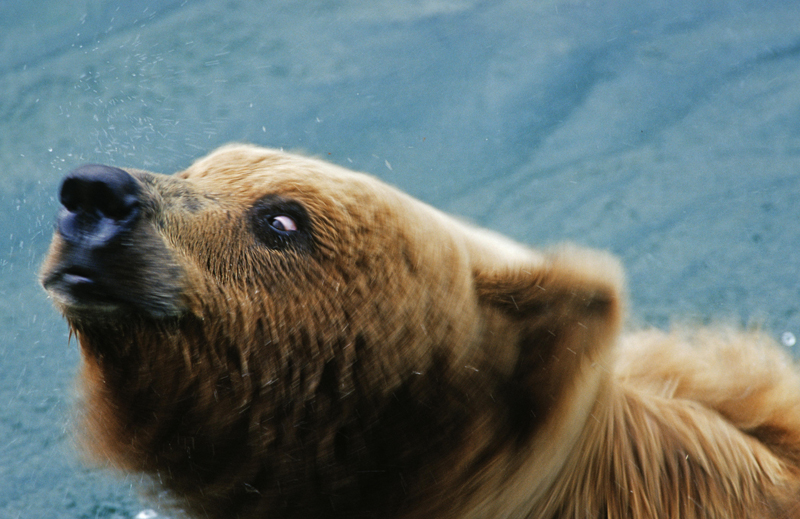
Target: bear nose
{"x": 99, "y": 203}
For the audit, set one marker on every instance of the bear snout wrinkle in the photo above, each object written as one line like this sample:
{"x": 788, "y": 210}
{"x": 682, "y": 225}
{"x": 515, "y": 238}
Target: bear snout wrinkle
{"x": 98, "y": 204}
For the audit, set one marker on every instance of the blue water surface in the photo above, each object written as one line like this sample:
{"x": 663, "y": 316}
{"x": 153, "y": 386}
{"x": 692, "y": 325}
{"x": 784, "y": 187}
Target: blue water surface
{"x": 665, "y": 131}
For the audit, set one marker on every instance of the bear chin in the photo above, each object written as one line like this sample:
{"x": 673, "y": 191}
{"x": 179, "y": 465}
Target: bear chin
{"x": 270, "y": 335}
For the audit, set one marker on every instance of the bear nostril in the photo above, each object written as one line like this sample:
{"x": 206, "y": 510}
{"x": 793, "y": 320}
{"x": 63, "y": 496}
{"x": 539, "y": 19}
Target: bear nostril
{"x": 103, "y": 191}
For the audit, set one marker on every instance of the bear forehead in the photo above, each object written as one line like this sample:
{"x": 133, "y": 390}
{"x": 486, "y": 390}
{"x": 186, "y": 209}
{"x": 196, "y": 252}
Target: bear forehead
{"x": 246, "y": 173}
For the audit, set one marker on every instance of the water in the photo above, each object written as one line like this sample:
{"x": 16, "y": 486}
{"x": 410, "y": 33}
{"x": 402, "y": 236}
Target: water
{"x": 667, "y": 132}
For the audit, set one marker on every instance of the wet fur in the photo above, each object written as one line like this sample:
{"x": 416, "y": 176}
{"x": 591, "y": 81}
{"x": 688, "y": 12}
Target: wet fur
{"x": 403, "y": 364}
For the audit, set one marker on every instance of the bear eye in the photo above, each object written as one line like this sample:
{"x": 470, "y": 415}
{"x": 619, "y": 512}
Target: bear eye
{"x": 283, "y": 223}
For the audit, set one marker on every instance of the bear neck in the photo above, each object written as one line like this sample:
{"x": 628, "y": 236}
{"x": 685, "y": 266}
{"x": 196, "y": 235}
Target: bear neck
{"x": 284, "y": 442}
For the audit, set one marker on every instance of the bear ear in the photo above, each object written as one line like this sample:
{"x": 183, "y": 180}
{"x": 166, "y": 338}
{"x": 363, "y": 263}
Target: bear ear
{"x": 561, "y": 312}
{"x": 568, "y": 283}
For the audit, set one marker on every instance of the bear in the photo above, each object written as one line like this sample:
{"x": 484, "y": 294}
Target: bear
{"x": 267, "y": 335}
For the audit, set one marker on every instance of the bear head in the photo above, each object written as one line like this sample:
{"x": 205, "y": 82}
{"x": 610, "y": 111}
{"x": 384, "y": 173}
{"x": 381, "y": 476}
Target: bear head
{"x": 272, "y": 335}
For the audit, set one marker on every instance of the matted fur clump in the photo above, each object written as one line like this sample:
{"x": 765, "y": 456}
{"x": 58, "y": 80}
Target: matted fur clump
{"x": 272, "y": 336}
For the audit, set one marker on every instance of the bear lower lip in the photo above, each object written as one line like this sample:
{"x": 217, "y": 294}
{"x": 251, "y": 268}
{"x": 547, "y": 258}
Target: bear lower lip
{"x": 74, "y": 276}
{"x": 77, "y": 287}
{"x": 76, "y": 279}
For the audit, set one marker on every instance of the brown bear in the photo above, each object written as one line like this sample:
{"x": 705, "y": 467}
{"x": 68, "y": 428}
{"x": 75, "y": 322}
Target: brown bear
{"x": 272, "y": 336}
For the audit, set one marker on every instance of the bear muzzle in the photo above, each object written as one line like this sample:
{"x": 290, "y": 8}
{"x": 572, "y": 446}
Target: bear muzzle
{"x": 98, "y": 259}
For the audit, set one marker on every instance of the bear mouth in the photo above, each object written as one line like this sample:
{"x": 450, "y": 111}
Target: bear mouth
{"x": 78, "y": 288}
{"x": 88, "y": 288}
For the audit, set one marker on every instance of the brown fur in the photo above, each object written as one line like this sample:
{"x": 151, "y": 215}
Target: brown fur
{"x": 397, "y": 363}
